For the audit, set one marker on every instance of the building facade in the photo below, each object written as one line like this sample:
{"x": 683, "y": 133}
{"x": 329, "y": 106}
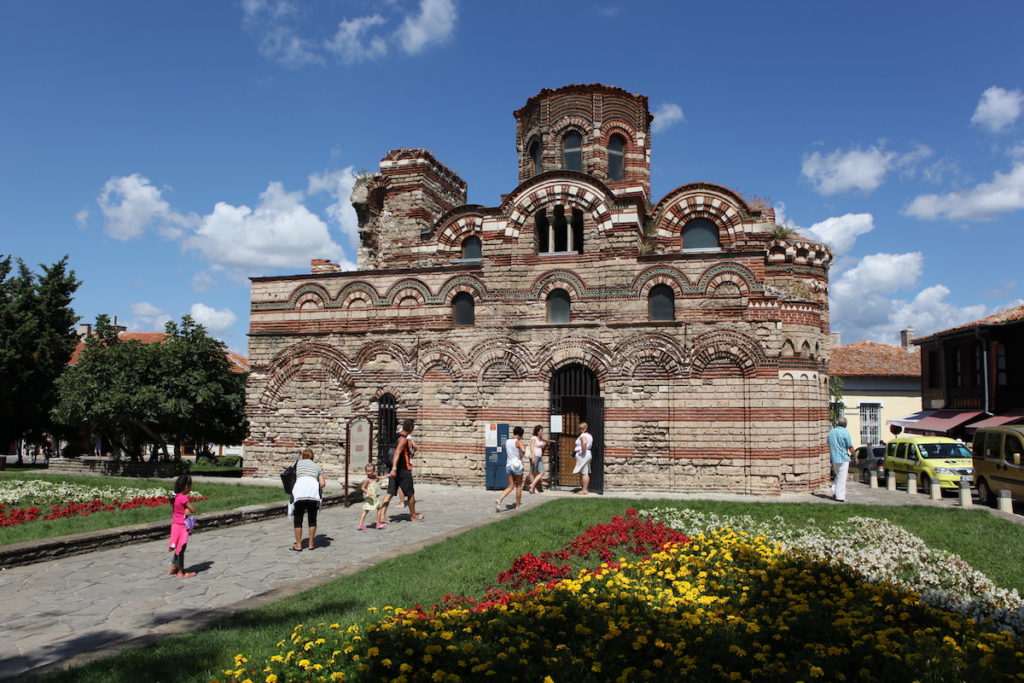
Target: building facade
{"x": 691, "y": 333}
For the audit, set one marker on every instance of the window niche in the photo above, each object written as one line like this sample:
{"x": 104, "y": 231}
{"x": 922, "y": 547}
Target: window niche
{"x": 700, "y": 233}
{"x": 557, "y": 232}
{"x": 472, "y": 249}
{"x": 616, "y": 158}
{"x": 661, "y": 304}
{"x": 558, "y": 306}
{"x": 463, "y": 310}
{"x": 536, "y": 156}
{"x": 572, "y": 152}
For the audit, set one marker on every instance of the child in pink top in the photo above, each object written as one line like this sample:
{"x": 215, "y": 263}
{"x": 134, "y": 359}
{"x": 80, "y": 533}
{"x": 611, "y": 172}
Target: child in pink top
{"x": 179, "y": 533}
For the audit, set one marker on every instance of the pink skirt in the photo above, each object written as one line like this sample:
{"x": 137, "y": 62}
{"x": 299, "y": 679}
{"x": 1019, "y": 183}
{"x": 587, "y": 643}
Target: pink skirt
{"x": 179, "y": 537}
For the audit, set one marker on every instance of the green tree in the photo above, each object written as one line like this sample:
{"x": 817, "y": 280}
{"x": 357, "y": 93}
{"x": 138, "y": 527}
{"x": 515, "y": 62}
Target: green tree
{"x": 835, "y": 399}
{"x": 38, "y": 336}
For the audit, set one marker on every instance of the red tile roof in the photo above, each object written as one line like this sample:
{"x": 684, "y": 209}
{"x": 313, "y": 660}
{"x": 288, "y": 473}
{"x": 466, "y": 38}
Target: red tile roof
{"x": 871, "y": 359}
{"x": 239, "y": 363}
{"x": 1002, "y": 317}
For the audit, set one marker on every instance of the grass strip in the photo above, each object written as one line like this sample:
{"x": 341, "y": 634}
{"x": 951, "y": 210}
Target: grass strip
{"x": 221, "y": 496}
{"x": 467, "y": 565}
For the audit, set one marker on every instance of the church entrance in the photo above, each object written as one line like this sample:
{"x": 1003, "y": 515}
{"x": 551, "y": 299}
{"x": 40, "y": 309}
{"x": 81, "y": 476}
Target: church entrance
{"x": 575, "y": 398}
{"x": 387, "y": 432}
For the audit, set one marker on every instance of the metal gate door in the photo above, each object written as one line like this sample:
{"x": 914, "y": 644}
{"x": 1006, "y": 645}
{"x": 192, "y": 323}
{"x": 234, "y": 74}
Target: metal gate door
{"x": 576, "y": 397}
{"x": 387, "y": 431}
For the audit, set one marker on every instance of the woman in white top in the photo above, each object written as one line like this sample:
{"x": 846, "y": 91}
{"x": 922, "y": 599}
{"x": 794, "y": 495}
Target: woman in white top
{"x": 305, "y": 501}
{"x": 583, "y": 457}
{"x": 514, "y": 451}
{"x": 536, "y": 454}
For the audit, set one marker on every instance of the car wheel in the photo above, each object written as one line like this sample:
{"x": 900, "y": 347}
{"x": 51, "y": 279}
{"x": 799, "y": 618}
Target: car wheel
{"x": 985, "y": 494}
{"x": 926, "y": 484}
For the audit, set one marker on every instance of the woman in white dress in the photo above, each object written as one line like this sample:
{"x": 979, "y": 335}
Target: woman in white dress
{"x": 583, "y": 455}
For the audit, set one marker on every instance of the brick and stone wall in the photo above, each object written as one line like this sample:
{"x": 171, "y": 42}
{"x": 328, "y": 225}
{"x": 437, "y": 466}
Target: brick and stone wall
{"x": 730, "y": 395}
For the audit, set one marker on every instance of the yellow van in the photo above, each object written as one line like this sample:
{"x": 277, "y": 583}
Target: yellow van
{"x": 998, "y": 452}
{"x": 930, "y": 458}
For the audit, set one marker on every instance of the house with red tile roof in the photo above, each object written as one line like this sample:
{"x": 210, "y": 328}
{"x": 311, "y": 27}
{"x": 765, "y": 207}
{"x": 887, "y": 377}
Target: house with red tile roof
{"x": 880, "y": 382}
{"x": 239, "y": 363}
{"x": 973, "y": 374}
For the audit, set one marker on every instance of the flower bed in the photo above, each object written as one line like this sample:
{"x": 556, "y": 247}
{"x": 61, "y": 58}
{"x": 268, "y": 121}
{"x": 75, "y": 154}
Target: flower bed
{"x": 729, "y": 605}
{"x": 23, "y": 501}
{"x": 882, "y": 552}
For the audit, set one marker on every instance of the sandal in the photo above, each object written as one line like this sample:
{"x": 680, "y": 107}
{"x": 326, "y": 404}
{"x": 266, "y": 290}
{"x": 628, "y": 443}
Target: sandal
{"x": 294, "y": 549}
{"x": 417, "y": 518}
{"x": 186, "y": 575}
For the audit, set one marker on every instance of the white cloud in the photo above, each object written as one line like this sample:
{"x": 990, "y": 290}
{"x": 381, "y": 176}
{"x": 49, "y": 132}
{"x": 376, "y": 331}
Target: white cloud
{"x": 282, "y": 44}
{"x": 215, "y": 322}
{"x": 841, "y": 232}
{"x": 998, "y": 109}
{"x": 203, "y": 281}
{"x": 665, "y": 116}
{"x": 148, "y": 318}
{"x": 842, "y": 171}
{"x": 339, "y": 185}
{"x": 82, "y": 218}
{"x": 130, "y": 204}
{"x": 279, "y": 233}
{"x": 1003, "y": 194}
{"x": 434, "y": 25}
{"x": 350, "y": 44}
{"x": 929, "y": 312}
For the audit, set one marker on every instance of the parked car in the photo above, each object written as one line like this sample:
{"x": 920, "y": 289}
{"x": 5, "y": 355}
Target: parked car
{"x": 998, "y": 452}
{"x": 867, "y": 458}
{"x": 930, "y": 458}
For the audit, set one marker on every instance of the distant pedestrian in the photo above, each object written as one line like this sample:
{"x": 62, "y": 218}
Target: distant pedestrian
{"x": 583, "y": 454}
{"x": 306, "y": 497}
{"x": 181, "y": 509}
{"x": 371, "y": 496}
{"x": 536, "y": 452}
{"x": 514, "y": 452}
{"x": 840, "y": 448}
{"x": 400, "y": 476}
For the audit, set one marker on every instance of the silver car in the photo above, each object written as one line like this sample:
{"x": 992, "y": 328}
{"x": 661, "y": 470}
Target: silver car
{"x": 867, "y": 458}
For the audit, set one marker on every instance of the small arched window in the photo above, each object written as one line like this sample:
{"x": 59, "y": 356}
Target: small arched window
{"x": 558, "y": 306}
{"x": 463, "y": 310}
{"x": 700, "y": 233}
{"x": 471, "y": 248}
{"x": 616, "y": 158}
{"x": 572, "y": 152}
{"x": 661, "y": 303}
{"x": 535, "y": 155}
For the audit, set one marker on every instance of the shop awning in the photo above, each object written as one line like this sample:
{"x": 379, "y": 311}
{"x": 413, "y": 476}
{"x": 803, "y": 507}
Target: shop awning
{"x": 911, "y": 420}
{"x": 1008, "y": 417}
{"x": 944, "y": 420}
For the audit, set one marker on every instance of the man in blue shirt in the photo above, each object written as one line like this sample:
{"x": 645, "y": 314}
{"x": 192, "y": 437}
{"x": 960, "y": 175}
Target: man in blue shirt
{"x": 840, "y": 448}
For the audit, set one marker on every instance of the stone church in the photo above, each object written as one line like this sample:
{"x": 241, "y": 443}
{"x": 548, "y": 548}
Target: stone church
{"x": 690, "y": 332}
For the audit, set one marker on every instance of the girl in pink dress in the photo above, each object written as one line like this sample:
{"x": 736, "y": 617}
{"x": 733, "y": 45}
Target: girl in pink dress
{"x": 179, "y": 532}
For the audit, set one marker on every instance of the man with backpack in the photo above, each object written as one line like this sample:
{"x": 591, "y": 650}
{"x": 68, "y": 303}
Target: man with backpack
{"x": 400, "y": 475}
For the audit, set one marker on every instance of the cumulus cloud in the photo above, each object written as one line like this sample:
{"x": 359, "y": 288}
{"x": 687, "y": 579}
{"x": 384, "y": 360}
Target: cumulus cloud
{"x": 282, "y": 28}
{"x": 147, "y": 317}
{"x": 279, "y": 233}
{"x": 666, "y": 115}
{"x": 131, "y": 204}
{"x": 434, "y": 24}
{"x": 841, "y": 232}
{"x": 842, "y": 171}
{"x": 998, "y": 109}
{"x": 203, "y": 281}
{"x": 1004, "y": 193}
{"x": 215, "y": 322}
{"x": 338, "y": 185}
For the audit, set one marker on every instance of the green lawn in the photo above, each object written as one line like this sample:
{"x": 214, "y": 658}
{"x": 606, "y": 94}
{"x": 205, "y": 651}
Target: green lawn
{"x": 222, "y": 496}
{"x": 468, "y": 563}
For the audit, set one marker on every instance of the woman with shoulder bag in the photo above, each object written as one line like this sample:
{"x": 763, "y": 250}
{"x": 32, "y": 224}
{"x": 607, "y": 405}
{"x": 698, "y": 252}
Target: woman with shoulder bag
{"x": 514, "y": 451}
{"x": 306, "y": 497}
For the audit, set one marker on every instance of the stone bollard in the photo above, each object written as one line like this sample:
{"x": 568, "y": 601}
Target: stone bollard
{"x": 873, "y": 478}
{"x": 911, "y": 483}
{"x": 1005, "y": 501}
{"x": 936, "y": 492}
{"x": 890, "y": 481}
{"x": 965, "y": 494}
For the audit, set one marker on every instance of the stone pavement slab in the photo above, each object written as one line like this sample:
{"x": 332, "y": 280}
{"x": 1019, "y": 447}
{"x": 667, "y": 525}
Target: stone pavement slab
{"x": 82, "y": 607}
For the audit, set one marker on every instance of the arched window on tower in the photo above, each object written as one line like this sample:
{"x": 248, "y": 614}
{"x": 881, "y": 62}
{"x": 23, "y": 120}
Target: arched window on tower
{"x": 557, "y": 232}
{"x": 535, "y": 155}
{"x": 471, "y": 248}
{"x": 572, "y": 152}
{"x": 616, "y": 158}
{"x": 463, "y": 310}
{"x": 661, "y": 303}
{"x": 700, "y": 233}
{"x": 558, "y": 306}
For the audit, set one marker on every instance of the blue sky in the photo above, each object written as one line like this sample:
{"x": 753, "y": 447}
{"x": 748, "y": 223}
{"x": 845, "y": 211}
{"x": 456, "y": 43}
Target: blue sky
{"x": 174, "y": 149}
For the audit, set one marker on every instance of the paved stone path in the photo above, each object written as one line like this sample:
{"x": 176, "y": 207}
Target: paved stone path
{"x": 85, "y": 607}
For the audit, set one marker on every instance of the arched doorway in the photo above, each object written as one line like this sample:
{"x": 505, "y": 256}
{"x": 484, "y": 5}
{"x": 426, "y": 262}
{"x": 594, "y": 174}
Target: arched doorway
{"x": 387, "y": 431}
{"x": 576, "y": 398}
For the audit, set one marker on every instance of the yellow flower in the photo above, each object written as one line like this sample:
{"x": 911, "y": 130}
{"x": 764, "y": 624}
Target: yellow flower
{"x": 271, "y": 678}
